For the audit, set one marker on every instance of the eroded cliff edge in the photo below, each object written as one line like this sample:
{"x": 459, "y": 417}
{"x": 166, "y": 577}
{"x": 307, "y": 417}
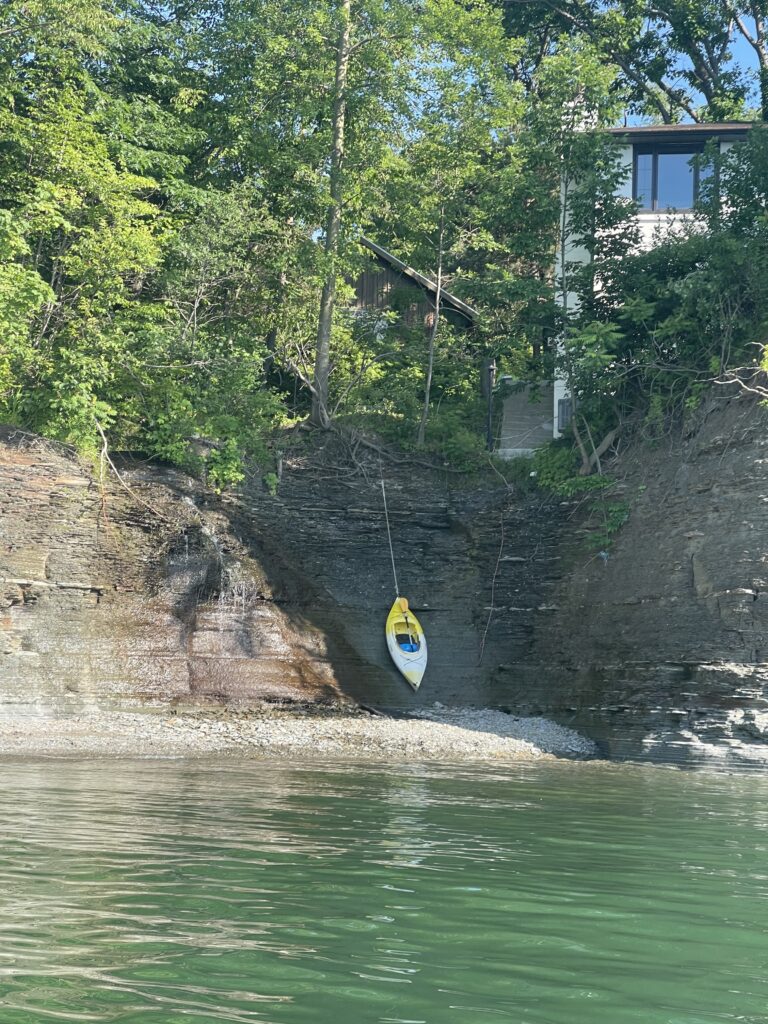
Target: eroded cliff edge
{"x": 160, "y": 591}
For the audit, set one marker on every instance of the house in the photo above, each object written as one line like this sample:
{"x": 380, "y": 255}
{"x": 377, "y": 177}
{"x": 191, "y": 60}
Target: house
{"x": 663, "y": 178}
{"x": 389, "y": 284}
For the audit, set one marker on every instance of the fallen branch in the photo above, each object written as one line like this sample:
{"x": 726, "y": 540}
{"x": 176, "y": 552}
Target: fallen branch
{"x": 732, "y": 377}
{"x": 106, "y": 457}
{"x": 603, "y": 447}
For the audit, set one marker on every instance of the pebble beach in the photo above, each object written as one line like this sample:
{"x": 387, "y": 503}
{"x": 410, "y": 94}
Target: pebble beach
{"x": 441, "y": 734}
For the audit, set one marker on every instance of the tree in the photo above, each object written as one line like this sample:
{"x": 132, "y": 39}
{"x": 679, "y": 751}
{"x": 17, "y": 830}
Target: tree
{"x": 675, "y": 58}
{"x": 750, "y": 21}
{"x": 465, "y": 107}
{"x": 320, "y": 416}
{"x": 127, "y": 282}
{"x": 669, "y": 323}
{"x": 309, "y": 99}
{"x": 82, "y": 225}
{"x": 595, "y": 232}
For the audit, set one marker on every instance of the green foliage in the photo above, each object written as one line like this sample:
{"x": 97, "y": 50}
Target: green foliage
{"x": 164, "y": 178}
{"x": 454, "y": 436}
{"x": 670, "y": 321}
{"x": 556, "y": 471}
{"x": 676, "y": 60}
{"x": 271, "y": 482}
{"x": 609, "y": 517}
{"x": 224, "y": 466}
{"x": 22, "y": 294}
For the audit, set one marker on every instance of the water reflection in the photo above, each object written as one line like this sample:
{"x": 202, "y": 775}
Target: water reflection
{"x": 550, "y": 894}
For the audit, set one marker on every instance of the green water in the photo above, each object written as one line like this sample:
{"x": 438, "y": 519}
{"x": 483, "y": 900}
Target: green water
{"x": 568, "y": 894}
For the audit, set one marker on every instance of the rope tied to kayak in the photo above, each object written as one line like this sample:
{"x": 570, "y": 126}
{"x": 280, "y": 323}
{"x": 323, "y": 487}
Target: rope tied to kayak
{"x": 389, "y": 536}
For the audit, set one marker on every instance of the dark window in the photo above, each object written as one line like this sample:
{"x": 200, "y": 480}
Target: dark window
{"x": 644, "y": 180}
{"x": 564, "y": 413}
{"x": 668, "y": 177}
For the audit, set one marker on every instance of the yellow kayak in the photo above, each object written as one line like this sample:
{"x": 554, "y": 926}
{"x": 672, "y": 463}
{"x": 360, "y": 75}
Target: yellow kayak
{"x": 406, "y": 642}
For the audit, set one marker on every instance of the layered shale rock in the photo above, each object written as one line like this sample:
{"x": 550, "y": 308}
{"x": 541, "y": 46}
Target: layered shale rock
{"x": 113, "y": 593}
{"x": 152, "y": 587}
{"x": 662, "y": 646}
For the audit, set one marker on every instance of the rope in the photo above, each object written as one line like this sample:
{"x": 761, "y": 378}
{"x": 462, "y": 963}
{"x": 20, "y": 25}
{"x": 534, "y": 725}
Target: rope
{"x": 389, "y": 537}
{"x": 493, "y": 592}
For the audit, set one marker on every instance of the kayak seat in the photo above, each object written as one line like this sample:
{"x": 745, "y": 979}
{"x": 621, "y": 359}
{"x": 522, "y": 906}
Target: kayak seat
{"x": 407, "y": 643}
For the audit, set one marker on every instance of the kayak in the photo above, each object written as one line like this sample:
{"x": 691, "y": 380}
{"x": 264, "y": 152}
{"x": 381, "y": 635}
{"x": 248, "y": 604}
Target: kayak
{"x": 406, "y": 642}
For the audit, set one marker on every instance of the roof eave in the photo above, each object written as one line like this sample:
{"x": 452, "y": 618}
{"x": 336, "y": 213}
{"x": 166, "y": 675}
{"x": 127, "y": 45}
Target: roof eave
{"x": 736, "y": 130}
{"x": 446, "y": 297}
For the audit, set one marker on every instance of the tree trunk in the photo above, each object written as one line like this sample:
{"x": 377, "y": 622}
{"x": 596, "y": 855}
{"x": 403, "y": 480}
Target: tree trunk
{"x": 320, "y": 416}
{"x": 758, "y": 40}
{"x": 761, "y": 48}
{"x": 432, "y": 336}
{"x": 567, "y": 363}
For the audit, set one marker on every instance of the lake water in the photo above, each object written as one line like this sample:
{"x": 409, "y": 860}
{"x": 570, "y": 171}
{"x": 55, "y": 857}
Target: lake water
{"x": 188, "y": 893}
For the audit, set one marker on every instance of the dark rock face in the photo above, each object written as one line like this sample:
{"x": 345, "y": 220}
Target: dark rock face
{"x": 446, "y": 544}
{"x": 165, "y": 592}
{"x": 662, "y": 647}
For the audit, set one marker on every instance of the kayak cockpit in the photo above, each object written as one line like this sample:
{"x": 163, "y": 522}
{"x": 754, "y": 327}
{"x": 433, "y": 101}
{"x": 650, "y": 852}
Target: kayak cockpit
{"x": 407, "y": 641}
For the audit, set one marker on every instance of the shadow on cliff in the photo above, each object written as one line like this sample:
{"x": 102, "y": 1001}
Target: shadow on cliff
{"x": 338, "y": 667}
{"x": 238, "y": 613}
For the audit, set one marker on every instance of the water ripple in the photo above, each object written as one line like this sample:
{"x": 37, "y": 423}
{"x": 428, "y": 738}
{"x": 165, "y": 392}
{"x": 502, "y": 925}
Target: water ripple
{"x": 548, "y": 894}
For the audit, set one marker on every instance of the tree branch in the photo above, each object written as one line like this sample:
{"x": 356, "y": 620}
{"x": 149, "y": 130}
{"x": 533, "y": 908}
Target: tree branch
{"x": 106, "y": 457}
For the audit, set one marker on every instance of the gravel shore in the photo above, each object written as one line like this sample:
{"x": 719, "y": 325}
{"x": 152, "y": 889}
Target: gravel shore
{"x": 443, "y": 734}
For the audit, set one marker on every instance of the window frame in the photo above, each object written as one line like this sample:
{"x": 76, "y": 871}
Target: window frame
{"x": 564, "y": 413}
{"x": 655, "y": 150}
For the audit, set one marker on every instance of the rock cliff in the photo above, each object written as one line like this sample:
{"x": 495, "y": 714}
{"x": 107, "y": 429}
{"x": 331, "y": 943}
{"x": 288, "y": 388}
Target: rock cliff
{"x": 662, "y": 648}
{"x": 152, "y": 589}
